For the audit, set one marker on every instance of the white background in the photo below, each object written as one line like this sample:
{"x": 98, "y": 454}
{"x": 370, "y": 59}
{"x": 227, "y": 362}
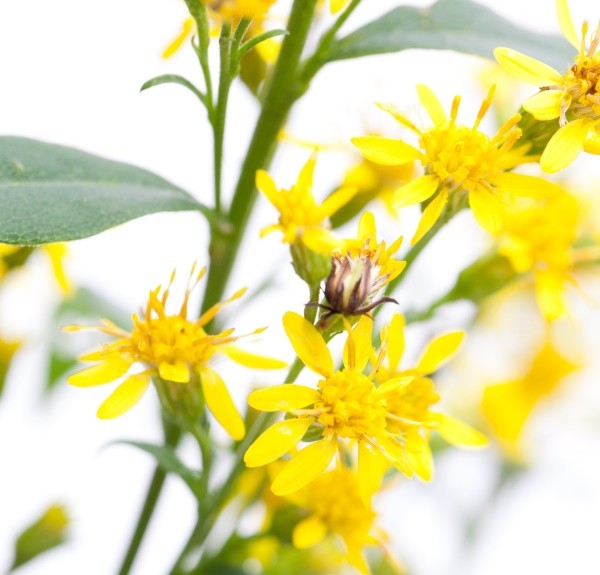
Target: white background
{"x": 71, "y": 72}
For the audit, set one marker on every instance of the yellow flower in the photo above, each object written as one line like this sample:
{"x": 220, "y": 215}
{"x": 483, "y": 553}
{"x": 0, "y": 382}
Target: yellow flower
{"x": 347, "y": 408}
{"x": 176, "y": 350}
{"x": 301, "y": 219}
{"x": 336, "y": 507}
{"x": 14, "y": 256}
{"x": 361, "y": 268}
{"x": 335, "y": 6}
{"x": 458, "y": 161}
{"x": 508, "y": 406}
{"x": 539, "y": 239}
{"x": 573, "y": 97}
{"x": 234, "y": 11}
{"x": 377, "y": 180}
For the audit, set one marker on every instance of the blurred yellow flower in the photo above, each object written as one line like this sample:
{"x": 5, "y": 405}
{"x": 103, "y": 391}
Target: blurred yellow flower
{"x": 573, "y": 97}
{"x": 348, "y": 406}
{"x": 301, "y": 219}
{"x": 458, "y": 162}
{"x": 336, "y": 508}
{"x": 176, "y": 350}
{"x": 539, "y": 239}
{"x": 234, "y": 11}
{"x": 507, "y": 406}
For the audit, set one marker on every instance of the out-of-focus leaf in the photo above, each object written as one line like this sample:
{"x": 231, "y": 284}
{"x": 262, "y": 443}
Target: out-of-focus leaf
{"x": 47, "y": 532}
{"x": 459, "y": 25}
{"x": 167, "y": 458}
{"x": 51, "y": 193}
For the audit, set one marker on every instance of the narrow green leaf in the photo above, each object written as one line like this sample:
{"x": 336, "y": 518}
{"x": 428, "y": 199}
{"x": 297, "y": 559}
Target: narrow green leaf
{"x": 167, "y": 458}
{"x": 459, "y": 25}
{"x": 174, "y": 79}
{"x": 247, "y": 46}
{"x": 51, "y": 193}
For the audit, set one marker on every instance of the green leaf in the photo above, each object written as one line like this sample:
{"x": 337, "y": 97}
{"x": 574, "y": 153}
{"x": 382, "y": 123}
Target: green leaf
{"x": 51, "y": 193}
{"x": 175, "y": 79}
{"x": 256, "y": 40}
{"x": 167, "y": 458}
{"x": 458, "y": 25}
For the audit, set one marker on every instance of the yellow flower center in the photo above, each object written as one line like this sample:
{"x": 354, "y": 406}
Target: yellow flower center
{"x": 171, "y": 340}
{"x": 298, "y": 209}
{"x": 582, "y": 81}
{"x": 409, "y": 405}
{"x": 462, "y": 157}
{"x": 350, "y": 406}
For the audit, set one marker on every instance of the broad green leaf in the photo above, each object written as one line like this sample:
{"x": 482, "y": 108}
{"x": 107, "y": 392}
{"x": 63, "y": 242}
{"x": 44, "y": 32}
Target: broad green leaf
{"x": 167, "y": 458}
{"x": 47, "y": 532}
{"x": 459, "y": 25}
{"x": 51, "y": 193}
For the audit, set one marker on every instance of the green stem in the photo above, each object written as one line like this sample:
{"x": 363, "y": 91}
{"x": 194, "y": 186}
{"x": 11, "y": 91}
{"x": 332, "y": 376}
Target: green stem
{"x": 280, "y": 95}
{"x": 225, "y": 79}
{"x": 172, "y": 436}
{"x": 206, "y": 522}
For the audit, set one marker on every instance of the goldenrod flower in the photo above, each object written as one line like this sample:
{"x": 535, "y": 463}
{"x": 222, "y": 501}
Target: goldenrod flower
{"x": 573, "y": 97}
{"x": 335, "y": 6}
{"x": 458, "y": 161}
{"x": 348, "y": 406}
{"x": 361, "y": 268}
{"x": 336, "y": 508}
{"x": 176, "y": 350}
{"x": 373, "y": 180}
{"x": 508, "y": 406}
{"x": 539, "y": 239}
{"x": 233, "y": 11}
{"x": 301, "y": 219}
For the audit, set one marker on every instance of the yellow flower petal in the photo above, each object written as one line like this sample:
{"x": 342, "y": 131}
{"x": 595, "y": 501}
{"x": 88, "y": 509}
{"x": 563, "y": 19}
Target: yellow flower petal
{"x": 305, "y": 467}
{"x": 458, "y": 433}
{"x": 566, "y": 23}
{"x": 266, "y": 185}
{"x": 219, "y": 402}
{"x": 550, "y": 292}
{"x": 371, "y": 468}
{"x": 320, "y": 240}
{"x": 366, "y": 226}
{"x": 545, "y": 105}
{"x": 252, "y": 360}
{"x": 429, "y": 216}
{"x": 592, "y": 141}
{"x": 100, "y": 374}
{"x": 284, "y": 397}
{"x": 486, "y": 209}
{"x": 361, "y": 343}
{"x": 306, "y": 176}
{"x": 416, "y": 191}
{"x": 565, "y": 145}
{"x": 439, "y": 351}
{"x": 309, "y": 532}
{"x": 124, "y": 397}
{"x": 308, "y": 344}
{"x": 276, "y": 441}
{"x": 432, "y": 105}
{"x": 185, "y": 33}
{"x": 418, "y": 454}
{"x": 395, "y": 341}
{"x": 526, "y": 186}
{"x": 336, "y": 200}
{"x": 210, "y": 313}
{"x": 178, "y": 372}
{"x": 526, "y": 68}
{"x": 386, "y": 151}
{"x": 336, "y": 5}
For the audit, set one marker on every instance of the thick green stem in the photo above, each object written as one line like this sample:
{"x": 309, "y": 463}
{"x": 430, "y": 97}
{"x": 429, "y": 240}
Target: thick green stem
{"x": 280, "y": 95}
{"x": 172, "y": 436}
